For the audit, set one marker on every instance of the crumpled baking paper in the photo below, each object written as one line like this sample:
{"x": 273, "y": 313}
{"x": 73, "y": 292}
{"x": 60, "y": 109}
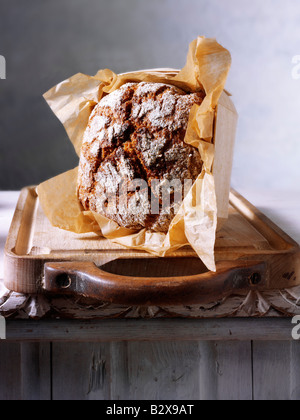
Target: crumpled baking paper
{"x": 195, "y": 224}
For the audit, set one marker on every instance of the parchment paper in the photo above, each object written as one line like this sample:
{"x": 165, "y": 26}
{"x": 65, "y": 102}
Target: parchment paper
{"x": 73, "y": 100}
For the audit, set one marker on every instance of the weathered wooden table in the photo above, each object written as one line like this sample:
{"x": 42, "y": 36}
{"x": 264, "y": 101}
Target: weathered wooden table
{"x": 240, "y": 357}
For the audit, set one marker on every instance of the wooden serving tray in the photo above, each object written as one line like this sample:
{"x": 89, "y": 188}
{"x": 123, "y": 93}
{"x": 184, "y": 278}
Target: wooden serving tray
{"x": 252, "y": 253}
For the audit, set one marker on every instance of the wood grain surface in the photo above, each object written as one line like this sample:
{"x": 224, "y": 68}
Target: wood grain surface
{"x": 252, "y": 253}
{"x": 197, "y": 370}
{"x": 212, "y": 359}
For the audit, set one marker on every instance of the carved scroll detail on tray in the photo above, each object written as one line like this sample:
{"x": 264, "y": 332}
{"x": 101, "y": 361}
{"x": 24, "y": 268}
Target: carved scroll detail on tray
{"x": 253, "y": 304}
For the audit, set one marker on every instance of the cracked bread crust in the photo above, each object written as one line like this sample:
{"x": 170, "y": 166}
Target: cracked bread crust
{"x": 132, "y": 147}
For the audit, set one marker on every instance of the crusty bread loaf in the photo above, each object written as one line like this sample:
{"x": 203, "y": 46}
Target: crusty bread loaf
{"x": 132, "y": 148}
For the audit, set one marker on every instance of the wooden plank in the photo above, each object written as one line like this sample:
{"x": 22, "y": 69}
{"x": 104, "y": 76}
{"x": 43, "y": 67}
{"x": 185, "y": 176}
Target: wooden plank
{"x": 80, "y": 371}
{"x": 152, "y": 371}
{"x": 295, "y": 371}
{"x": 225, "y": 371}
{"x": 36, "y": 371}
{"x": 26, "y": 253}
{"x": 119, "y": 376}
{"x": 10, "y": 371}
{"x": 25, "y": 371}
{"x": 276, "y": 372}
{"x": 125, "y": 371}
{"x": 271, "y": 371}
{"x": 227, "y": 329}
{"x": 163, "y": 371}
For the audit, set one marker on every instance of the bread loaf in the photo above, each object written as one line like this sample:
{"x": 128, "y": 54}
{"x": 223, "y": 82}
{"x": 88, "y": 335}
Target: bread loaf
{"x": 133, "y": 149}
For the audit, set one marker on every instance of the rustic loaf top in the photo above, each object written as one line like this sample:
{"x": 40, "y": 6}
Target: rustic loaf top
{"x": 137, "y": 133}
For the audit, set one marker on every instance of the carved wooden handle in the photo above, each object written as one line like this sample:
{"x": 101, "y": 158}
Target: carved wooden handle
{"x": 86, "y": 279}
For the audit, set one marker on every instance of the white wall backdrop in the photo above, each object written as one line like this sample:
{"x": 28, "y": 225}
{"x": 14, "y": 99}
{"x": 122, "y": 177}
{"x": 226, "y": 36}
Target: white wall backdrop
{"x": 45, "y": 42}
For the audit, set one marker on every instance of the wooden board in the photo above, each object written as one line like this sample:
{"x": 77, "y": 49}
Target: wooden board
{"x": 132, "y": 370}
{"x": 35, "y": 244}
{"x": 251, "y": 254}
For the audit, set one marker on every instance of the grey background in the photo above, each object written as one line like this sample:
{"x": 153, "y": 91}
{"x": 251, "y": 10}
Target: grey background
{"x": 44, "y": 42}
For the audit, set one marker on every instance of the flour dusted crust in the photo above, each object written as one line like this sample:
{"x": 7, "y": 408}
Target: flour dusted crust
{"x": 133, "y": 145}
